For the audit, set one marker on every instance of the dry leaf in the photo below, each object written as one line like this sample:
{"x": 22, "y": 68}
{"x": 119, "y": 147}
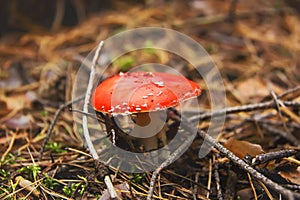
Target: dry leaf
{"x": 266, "y": 34}
{"x": 292, "y": 176}
{"x": 11, "y": 106}
{"x": 19, "y": 122}
{"x": 252, "y": 89}
{"x": 241, "y": 148}
{"x": 4, "y": 110}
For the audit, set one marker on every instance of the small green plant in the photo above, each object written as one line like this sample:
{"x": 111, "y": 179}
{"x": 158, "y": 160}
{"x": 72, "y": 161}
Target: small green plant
{"x": 79, "y": 187}
{"x": 6, "y": 190}
{"x": 54, "y": 146}
{"x": 68, "y": 191}
{"x": 124, "y": 63}
{"x": 75, "y": 187}
{"x": 9, "y": 159}
{"x": 32, "y": 170}
{"x": 137, "y": 178}
{"x": 4, "y": 174}
{"x": 83, "y": 186}
{"x": 80, "y": 131}
{"x": 44, "y": 113}
{"x": 9, "y": 190}
{"x": 212, "y": 48}
{"x": 50, "y": 182}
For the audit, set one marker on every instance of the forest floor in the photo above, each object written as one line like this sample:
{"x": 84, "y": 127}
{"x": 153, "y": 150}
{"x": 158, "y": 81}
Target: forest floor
{"x": 255, "y": 46}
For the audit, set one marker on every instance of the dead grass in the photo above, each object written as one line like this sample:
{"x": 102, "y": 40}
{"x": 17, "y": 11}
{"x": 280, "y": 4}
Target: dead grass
{"x": 256, "y": 53}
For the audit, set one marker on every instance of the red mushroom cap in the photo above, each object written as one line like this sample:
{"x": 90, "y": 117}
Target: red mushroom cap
{"x": 135, "y": 92}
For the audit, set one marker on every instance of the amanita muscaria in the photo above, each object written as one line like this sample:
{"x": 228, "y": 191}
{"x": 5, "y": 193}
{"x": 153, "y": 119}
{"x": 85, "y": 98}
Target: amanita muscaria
{"x": 142, "y": 93}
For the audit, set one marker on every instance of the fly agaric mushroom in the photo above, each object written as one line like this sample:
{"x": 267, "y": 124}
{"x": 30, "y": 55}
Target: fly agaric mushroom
{"x": 141, "y": 94}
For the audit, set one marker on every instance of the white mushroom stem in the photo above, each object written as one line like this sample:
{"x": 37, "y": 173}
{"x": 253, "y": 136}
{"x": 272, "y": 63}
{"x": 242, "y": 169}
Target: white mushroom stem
{"x": 151, "y": 143}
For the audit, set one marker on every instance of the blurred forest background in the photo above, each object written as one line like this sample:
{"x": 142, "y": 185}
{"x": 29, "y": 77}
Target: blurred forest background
{"x": 255, "y": 44}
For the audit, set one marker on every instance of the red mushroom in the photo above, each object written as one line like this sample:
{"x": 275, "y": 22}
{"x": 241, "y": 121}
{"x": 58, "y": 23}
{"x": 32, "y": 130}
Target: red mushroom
{"x": 142, "y": 93}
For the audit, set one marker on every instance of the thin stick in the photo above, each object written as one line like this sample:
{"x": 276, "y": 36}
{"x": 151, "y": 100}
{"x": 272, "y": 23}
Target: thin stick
{"x": 195, "y": 192}
{"x": 59, "y": 14}
{"x": 86, "y": 102}
{"x": 110, "y": 187}
{"x": 168, "y": 161}
{"x": 267, "y": 157}
{"x": 278, "y": 104}
{"x": 286, "y": 135}
{"x": 217, "y": 178}
{"x": 209, "y": 178}
{"x": 55, "y": 118}
{"x": 242, "y": 164}
{"x": 236, "y": 160}
{"x": 186, "y": 125}
{"x": 244, "y": 108}
{"x": 289, "y": 91}
{"x": 11, "y": 144}
{"x": 266, "y": 190}
{"x": 252, "y": 186}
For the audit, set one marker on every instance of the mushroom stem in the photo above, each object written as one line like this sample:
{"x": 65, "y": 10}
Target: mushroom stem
{"x": 143, "y": 119}
{"x": 149, "y": 143}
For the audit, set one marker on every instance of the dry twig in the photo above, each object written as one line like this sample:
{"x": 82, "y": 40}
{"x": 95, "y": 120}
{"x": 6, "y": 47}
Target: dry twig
{"x": 244, "y": 108}
{"x": 110, "y": 188}
{"x": 242, "y": 164}
{"x": 168, "y": 161}
{"x": 53, "y": 122}
{"x": 267, "y": 157}
{"x": 217, "y": 178}
{"x": 212, "y": 142}
{"x": 86, "y": 102}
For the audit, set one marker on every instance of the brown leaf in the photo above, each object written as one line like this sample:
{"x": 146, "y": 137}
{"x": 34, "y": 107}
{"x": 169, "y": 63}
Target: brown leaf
{"x": 4, "y": 110}
{"x": 251, "y": 89}
{"x": 241, "y": 148}
{"x": 10, "y": 106}
{"x": 292, "y": 176}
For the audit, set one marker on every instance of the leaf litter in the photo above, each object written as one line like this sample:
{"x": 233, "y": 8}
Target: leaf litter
{"x": 256, "y": 49}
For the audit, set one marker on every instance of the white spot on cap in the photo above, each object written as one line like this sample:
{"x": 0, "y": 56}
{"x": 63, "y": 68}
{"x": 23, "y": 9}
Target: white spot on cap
{"x": 117, "y": 107}
{"x": 145, "y": 97}
{"x": 159, "y": 83}
{"x": 145, "y": 105}
{"x": 149, "y": 74}
{"x": 160, "y": 92}
{"x": 175, "y": 101}
{"x": 111, "y": 109}
{"x": 159, "y": 107}
{"x": 127, "y": 112}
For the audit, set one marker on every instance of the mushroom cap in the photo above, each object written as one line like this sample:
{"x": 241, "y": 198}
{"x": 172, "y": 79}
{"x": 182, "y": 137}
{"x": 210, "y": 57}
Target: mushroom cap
{"x": 135, "y": 92}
